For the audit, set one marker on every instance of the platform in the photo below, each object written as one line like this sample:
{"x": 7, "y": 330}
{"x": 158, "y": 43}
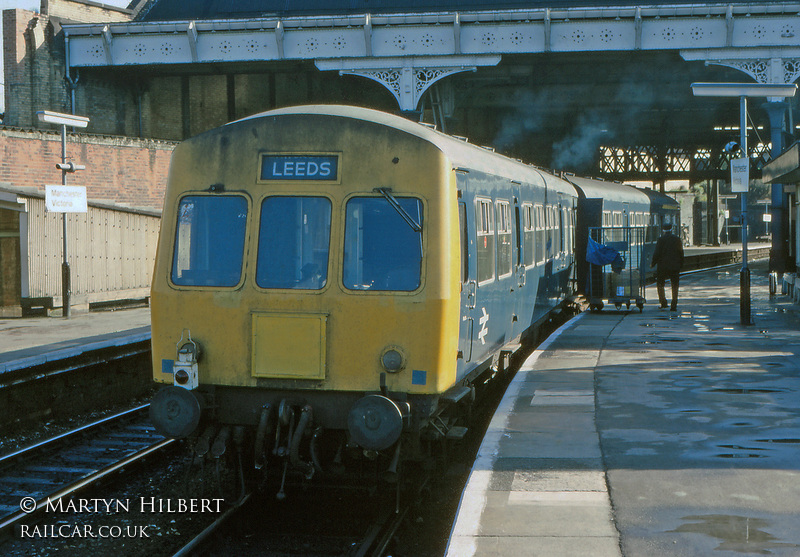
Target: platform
{"x": 30, "y": 341}
{"x": 654, "y": 433}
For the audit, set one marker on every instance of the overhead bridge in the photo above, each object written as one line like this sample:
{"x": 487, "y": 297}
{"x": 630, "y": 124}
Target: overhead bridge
{"x": 408, "y": 52}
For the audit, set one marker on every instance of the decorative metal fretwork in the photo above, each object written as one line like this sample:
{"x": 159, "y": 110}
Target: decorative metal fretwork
{"x": 786, "y": 70}
{"x": 425, "y": 77}
{"x": 673, "y": 163}
{"x": 389, "y": 78}
{"x": 791, "y": 70}
{"x": 407, "y": 84}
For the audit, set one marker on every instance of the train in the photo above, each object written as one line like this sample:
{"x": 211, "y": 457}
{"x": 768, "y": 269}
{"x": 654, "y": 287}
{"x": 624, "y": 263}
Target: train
{"x": 332, "y": 283}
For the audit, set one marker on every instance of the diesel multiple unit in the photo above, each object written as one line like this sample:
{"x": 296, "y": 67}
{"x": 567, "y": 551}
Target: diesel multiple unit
{"x": 333, "y": 278}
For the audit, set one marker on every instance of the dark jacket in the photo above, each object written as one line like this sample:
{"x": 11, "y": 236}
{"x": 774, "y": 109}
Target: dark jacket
{"x": 669, "y": 253}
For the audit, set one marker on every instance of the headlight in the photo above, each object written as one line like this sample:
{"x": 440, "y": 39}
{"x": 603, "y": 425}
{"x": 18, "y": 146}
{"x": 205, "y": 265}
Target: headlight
{"x": 392, "y": 359}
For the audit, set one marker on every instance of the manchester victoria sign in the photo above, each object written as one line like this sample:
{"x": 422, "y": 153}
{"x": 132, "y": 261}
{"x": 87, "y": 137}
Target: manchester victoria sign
{"x": 65, "y": 199}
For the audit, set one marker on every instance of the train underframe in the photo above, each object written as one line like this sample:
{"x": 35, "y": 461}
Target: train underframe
{"x": 277, "y": 438}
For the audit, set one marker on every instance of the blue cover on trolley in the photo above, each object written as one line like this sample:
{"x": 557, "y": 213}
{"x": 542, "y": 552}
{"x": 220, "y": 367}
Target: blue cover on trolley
{"x": 599, "y": 254}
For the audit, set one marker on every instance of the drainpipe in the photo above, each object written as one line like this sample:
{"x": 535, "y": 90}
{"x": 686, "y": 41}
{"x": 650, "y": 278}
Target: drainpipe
{"x": 71, "y": 83}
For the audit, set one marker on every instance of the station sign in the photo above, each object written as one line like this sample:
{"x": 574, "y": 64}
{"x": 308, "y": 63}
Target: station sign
{"x": 740, "y": 175}
{"x": 65, "y": 199}
{"x": 315, "y": 168}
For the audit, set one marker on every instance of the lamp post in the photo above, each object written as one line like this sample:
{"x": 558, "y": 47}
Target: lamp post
{"x": 744, "y": 90}
{"x": 64, "y": 120}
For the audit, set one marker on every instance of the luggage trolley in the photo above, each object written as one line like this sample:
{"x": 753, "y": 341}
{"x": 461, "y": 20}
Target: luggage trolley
{"x": 616, "y": 266}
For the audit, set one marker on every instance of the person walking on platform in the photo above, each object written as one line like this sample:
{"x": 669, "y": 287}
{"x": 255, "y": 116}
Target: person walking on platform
{"x": 669, "y": 258}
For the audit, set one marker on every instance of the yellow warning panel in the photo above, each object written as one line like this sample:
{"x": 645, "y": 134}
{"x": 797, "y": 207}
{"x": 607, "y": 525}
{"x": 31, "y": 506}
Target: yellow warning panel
{"x": 289, "y": 345}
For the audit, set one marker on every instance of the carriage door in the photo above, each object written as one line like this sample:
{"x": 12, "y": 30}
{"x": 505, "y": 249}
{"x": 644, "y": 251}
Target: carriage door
{"x": 469, "y": 287}
{"x": 519, "y": 265}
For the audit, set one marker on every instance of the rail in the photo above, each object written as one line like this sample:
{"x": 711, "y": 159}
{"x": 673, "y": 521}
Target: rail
{"x": 40, "y": 467}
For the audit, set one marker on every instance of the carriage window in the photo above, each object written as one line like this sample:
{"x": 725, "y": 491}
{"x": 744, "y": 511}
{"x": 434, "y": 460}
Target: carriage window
{"x": 527, "y": 226}
{"x": 504, "y": 249}
{"x": 541, "y": 233}
{"x": 209, "y": 243}
{"x": 293, "y": 243}
{"x": 485, "y": 223}
{"x": 571, "y": 231}
{"x": 462, "y": 221}
{"x": 552, "y": 241}
{"x": 382, "y": 251}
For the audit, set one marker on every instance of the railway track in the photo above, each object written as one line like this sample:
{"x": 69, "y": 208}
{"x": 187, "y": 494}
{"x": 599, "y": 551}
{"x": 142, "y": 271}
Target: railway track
{"x": 42, "y": 474}
{"x": 289, "y": 538}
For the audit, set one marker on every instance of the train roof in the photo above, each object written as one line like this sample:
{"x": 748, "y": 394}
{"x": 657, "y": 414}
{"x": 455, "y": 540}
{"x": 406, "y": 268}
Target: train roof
{"x": 462, "y": 154}
{"x": 591, "y": 188}
{"x": 660, "y": 200}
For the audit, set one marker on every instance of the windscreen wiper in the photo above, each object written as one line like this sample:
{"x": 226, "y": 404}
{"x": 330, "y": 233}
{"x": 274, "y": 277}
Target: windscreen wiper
{"x": 387, "y": 193}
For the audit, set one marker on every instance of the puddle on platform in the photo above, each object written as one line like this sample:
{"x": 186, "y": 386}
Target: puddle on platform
{"x": 741, "y": 534}
{"x": 745, "y": 391}
{"x": 787, "y": 441}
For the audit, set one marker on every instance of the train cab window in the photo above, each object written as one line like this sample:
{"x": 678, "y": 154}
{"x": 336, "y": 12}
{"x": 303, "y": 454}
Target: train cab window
{"x": 209, "y": 243}
{"x": 293, "y": 243}
{"x": 382, "y": 249}
{"x": 504, "y": 248}
{"x": 528, "y": 231}
{"x": 484, "y": 213}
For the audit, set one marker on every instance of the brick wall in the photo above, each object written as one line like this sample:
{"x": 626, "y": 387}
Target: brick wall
{"x": 84, "y": 11}
{"x": 34, "y": 59}
{"x": 123, "y": 170}
{"x": 138, "y": 102}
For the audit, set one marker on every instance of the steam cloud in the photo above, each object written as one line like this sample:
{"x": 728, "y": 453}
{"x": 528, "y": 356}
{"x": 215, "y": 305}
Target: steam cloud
{"x": 578, "y": 148}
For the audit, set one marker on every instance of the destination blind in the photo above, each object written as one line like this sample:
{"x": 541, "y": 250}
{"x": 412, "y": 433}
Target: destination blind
{"x": 321, "y": 168}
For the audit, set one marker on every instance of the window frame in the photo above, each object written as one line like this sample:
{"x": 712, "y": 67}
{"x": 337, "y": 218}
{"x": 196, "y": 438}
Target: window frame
{"x": 343, "y": 241}
{"x": 245, "y": 243}
{"x": 529, "y": 233}
{"x": 503, "y": 219}
{"x": 485, "y": 230}
{"x": 257, "y": 240}
{"x": 540, "y": 230}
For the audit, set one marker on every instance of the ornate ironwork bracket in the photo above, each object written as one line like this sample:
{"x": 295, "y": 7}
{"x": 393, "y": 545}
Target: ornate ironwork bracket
{"x": 407, "y": 78}
{"x": 774, "y": 70}
{"x": 763, "y": 66}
